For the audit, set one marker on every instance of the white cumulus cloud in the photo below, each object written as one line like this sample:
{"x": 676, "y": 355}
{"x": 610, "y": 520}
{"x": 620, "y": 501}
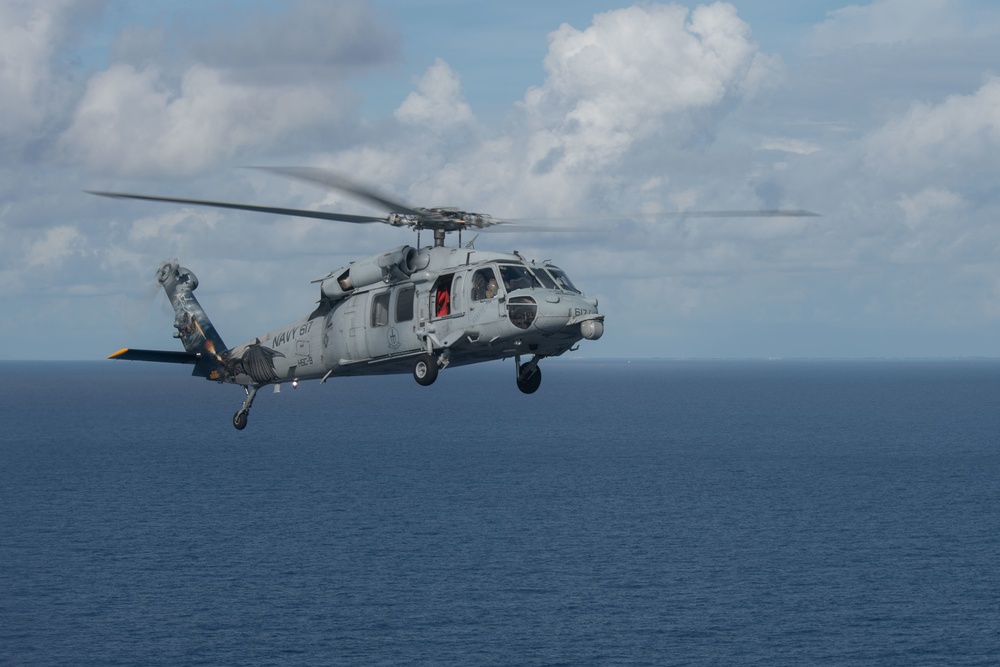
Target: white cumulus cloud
{"x": 637, "y": 77}
{"x": 889, "y": 22}
{"x": 133, "y": 121}
{"x": 963, "y": 132}
{"x": 438, "y": 102}
{"x": 30, "y": 35}
{"x": 56, "y": 245}
{"x": 618, "y": 81}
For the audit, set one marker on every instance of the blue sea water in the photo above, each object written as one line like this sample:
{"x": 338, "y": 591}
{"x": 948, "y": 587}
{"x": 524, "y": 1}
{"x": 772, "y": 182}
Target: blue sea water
{"x": 645, "y": 513}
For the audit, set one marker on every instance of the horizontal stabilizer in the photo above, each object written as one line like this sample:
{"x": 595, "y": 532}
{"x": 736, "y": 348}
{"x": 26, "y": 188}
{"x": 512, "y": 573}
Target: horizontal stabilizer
{"x": 157, "y": 355}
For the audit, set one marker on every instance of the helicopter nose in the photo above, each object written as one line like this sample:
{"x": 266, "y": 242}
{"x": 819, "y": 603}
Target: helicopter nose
{"x": 569, "y": 315}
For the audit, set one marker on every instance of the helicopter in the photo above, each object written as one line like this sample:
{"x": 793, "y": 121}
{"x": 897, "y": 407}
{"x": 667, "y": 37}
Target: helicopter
{"x": 410, "y": 309}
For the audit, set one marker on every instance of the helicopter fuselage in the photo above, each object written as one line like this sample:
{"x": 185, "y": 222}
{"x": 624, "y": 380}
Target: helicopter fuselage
{"x": 459, "y": 305}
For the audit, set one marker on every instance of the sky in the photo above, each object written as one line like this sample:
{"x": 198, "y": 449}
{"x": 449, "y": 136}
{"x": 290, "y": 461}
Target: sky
{"x": 883, "y": 117}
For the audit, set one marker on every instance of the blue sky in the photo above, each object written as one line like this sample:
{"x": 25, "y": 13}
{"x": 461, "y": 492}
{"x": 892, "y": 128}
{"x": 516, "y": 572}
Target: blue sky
{"x": 883, "y": 116}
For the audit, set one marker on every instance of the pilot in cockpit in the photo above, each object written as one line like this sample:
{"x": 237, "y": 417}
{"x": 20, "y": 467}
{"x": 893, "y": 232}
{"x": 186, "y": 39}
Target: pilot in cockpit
{"x": 484, "y": 285}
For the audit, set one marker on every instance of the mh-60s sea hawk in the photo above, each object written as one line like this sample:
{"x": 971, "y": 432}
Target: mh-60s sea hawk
{"x": 409, "y": 309}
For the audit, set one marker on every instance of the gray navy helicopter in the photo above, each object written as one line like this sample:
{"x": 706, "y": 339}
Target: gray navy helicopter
{"x": 407, "y": 310}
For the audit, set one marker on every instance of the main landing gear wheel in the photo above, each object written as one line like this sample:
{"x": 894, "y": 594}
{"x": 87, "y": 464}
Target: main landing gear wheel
{"x": 529, "y": 378}
{"x": 425, "y": 370}
{"x": 241, "y": 416}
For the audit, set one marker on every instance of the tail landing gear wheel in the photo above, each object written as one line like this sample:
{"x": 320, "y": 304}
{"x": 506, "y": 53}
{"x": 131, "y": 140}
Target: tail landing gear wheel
{"x": 425, "y": 370}
{"x": 240, "y": 418}
{"x": 529, "y": 379}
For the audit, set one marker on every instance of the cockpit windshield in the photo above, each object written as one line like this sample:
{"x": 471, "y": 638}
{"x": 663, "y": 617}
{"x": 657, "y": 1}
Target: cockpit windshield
{"x": 544, "y": 278}
{"x": 517, "y": 277}
{"x": 562, "y": 280}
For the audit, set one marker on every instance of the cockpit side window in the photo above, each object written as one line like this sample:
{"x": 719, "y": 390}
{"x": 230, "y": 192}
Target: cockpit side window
{"x": 484, "y": 284}
{"x": 517, "y": 277}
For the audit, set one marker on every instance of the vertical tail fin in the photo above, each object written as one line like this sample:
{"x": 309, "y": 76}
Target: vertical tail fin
{"x": 194, "y": 329}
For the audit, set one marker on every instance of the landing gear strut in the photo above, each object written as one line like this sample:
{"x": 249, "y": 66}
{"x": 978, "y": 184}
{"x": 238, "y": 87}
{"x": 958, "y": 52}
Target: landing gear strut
{"x": 529, "y": 375}
{"x": 241, "y": 416}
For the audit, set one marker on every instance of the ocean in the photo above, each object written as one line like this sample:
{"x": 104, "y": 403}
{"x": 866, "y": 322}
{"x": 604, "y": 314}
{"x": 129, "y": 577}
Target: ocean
{"x": 628, "y": 513}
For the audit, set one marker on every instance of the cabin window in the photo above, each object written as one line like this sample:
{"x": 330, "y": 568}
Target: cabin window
{"x": 404, "y": 304}
{"x": 456, "y": 294}
{"x": 517, "y": 277}
{"x": 380, "y": 309}
{"x": 484, "y": 284}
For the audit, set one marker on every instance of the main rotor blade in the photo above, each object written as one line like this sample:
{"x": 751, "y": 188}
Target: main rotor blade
{"x": 511, "y": 227}
{"x": 300, "y": 213}
{"x": 766, "y": 213}
{"x": 328, "y": 179}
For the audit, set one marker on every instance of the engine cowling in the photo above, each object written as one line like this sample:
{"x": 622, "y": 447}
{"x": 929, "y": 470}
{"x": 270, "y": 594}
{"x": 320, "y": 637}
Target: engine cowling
{"x": 385, "y": 267}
